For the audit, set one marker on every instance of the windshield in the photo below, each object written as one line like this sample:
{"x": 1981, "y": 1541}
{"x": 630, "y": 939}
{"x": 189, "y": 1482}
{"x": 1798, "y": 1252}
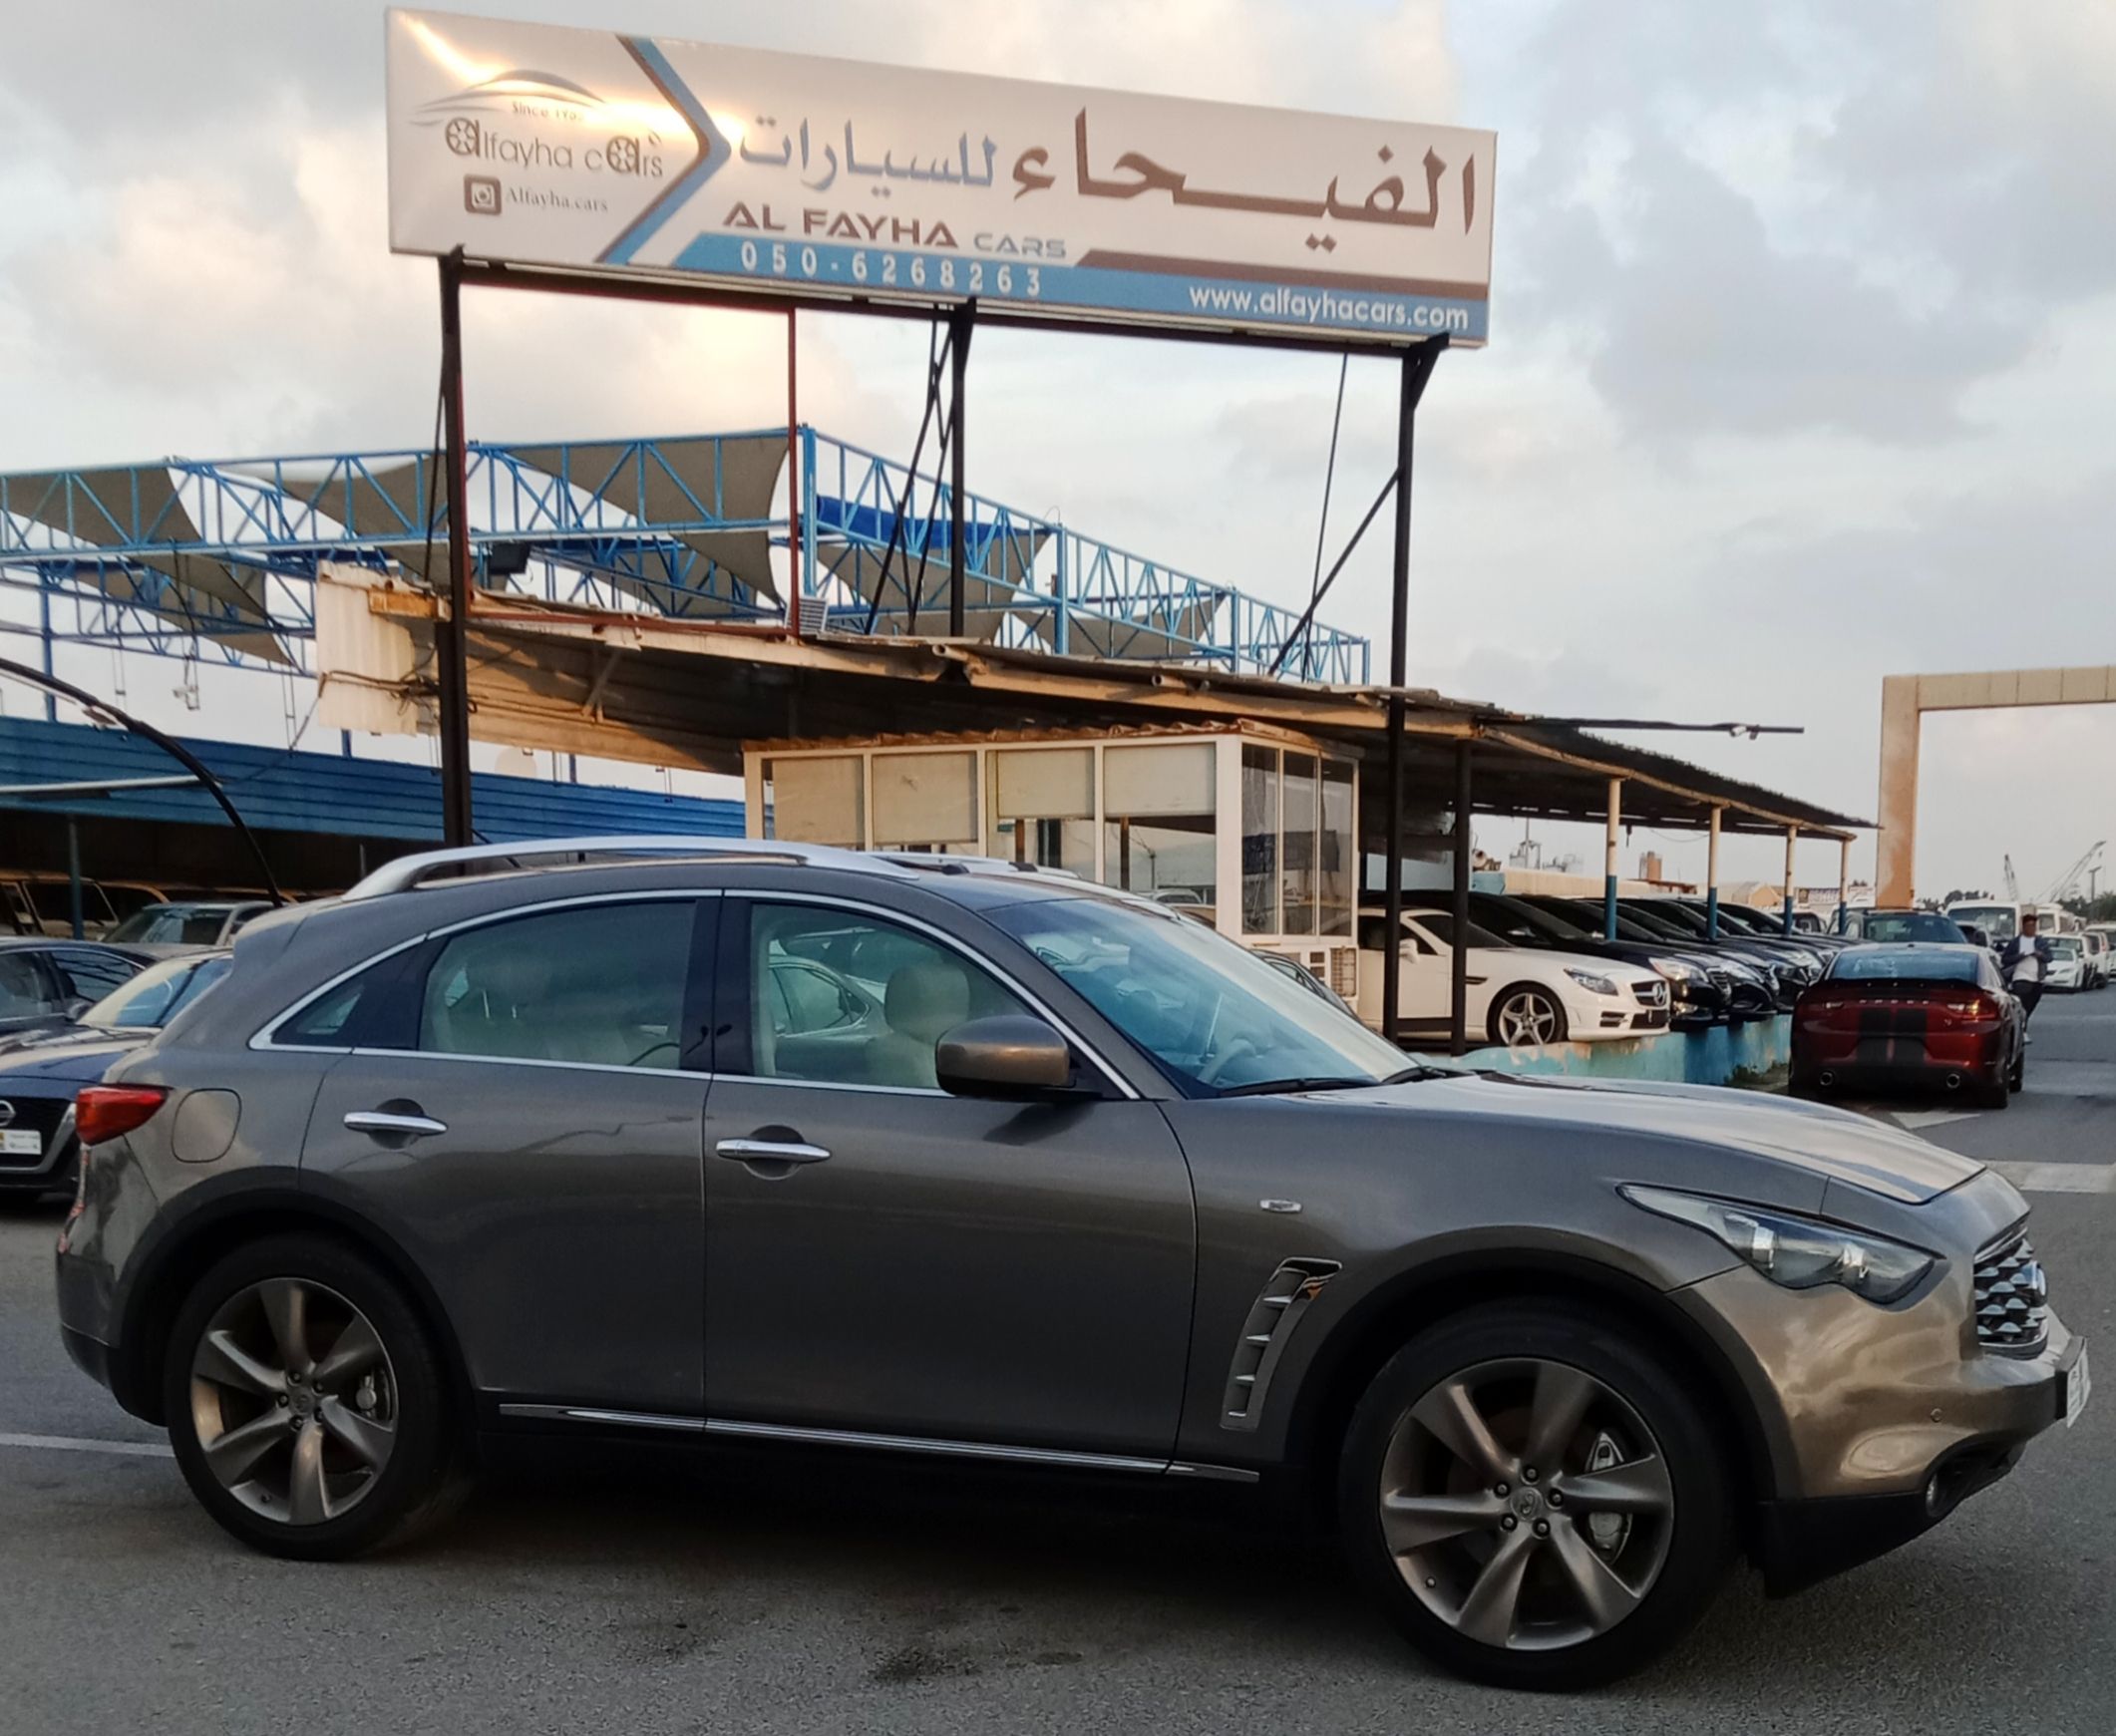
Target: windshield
{"x": 172, "y": 925}
{"x": 1997, "y": 920}
{"x": 1212, "y": 1013}
{"x": 156, "y": 995}
{"x": 1911, "y": 925}
{"x": 2067, "y": 945}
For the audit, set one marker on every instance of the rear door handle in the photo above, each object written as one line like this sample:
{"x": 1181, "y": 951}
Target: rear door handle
{"x": 770, "y": 1152}
{"x": 381, "y": 1121}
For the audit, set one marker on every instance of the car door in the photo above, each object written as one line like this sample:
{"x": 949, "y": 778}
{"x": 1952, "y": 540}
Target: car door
{"x": 520, "y": 1110}
{"x": 885, "y": 1258}
{"x": 1426, "y": 987}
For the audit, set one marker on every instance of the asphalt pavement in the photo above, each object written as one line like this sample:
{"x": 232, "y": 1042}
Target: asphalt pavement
{"x": 615, "y": 1594}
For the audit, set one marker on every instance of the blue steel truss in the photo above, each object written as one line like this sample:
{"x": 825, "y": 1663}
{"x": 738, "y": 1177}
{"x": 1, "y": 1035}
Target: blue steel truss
{"x": 219, "y": 558}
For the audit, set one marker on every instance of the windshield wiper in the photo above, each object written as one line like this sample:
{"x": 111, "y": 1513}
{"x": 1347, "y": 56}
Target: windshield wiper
{"x": 1335, "y": 1082}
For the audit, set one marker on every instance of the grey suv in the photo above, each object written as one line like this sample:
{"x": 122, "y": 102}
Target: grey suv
{"x": 941, "y": 1158}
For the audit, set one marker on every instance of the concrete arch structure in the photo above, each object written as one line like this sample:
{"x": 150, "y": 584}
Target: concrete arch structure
{"x": 1904, "y": 699}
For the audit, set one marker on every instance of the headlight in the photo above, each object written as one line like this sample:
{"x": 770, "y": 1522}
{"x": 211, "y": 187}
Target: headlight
{"x": 1675, "y": 971}
{"x": 1798, "y": 1252}
{"x": 1593, "y": 983}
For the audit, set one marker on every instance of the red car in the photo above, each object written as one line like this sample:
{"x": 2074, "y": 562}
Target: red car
{"x": 1918, "y": 1016}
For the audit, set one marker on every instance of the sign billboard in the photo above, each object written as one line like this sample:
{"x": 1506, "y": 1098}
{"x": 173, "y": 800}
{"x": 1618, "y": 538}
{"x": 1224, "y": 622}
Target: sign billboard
{"x": 836, "y": 180}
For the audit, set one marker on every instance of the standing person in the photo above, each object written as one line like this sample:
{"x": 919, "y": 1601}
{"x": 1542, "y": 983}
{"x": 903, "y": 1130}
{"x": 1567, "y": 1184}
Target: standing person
{"x": 2025, "y": 963}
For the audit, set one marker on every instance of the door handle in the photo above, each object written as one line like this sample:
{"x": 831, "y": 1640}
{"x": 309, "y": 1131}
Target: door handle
{"x": 770, "y": 1152}
{"x": 381, "y": 1121}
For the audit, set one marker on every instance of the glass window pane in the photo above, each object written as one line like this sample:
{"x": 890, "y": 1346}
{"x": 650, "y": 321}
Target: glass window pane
{"x": 1297, "y": 880}
{"x": 602, "y": 983}
{"x": 925, "y": 801}
{"x": 1259, "y": 839}
{"x": 1174, "y": 860}
{"x": 1158, "y": 778}
{"x": 1335, "y": 883}
{"x": 819, "y": 801}
{"x": 839, "y": 997}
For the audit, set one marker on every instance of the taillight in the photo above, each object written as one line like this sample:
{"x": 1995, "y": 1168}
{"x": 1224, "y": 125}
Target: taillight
{"x": 108, "y": 1112}
{"x": 1975, "y": 1006}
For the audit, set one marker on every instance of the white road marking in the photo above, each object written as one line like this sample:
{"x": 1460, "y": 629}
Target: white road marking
{"x": 1916, "y": 1118}
{"x": 78, "y": 1444}
{"x": 2060, "y": 1177}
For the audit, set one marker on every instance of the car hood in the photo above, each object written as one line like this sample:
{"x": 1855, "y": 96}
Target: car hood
{"x": 1833, "y": 1145}
{"x": 81, "y": 1053}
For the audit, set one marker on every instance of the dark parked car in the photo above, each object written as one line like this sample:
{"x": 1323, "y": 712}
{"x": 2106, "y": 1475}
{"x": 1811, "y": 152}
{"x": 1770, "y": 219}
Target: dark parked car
{"x": 1098, "y": 1191}
{"x": 46, "y": 983}
{"x": 1919, "y": 1016}
{"x": 43, "y": 1065}
{"x": 1763, "y": 986}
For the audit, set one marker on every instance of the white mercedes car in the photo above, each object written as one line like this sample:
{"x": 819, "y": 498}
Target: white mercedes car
{"x": 1518, "y": 995}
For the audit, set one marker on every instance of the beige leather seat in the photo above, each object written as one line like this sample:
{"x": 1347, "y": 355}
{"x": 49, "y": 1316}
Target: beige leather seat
{"x": 921, "y": 1004}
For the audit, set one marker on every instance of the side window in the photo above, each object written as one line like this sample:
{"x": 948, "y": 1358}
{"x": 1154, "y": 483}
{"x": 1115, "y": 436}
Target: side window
{"x": 598, "y": 983}
{"x": 23, "y": 988}
{"x": 328, "y": 1023}
{"x": 93, "y": 974}
{"x": 878, "y": 1020}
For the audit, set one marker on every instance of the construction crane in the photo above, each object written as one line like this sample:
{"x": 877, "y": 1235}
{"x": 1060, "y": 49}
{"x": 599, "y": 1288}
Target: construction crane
{"x": 2089, "y": 862}
{"x": 2013, "y": 885}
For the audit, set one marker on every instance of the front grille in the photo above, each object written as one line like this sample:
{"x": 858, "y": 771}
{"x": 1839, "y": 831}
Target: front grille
{"x": 1651, "y": 994}
{"x": 2012, "y": 1298}
{"x": 38, "y": 1115}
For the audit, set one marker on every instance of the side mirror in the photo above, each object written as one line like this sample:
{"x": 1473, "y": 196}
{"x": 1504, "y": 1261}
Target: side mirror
{"x": 76, "y": 1005}
{"x": 1010, "y": 1057}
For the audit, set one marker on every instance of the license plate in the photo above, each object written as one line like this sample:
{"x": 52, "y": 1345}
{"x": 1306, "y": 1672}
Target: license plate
{"x": 2078, "y": 1387}
{"x": 21, "y": 1142}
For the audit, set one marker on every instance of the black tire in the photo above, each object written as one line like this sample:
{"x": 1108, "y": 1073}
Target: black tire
{"x": 1554, "y": 1007}
{"x": 422, "y": 1477}
{"x": 1698, "y": 1541}
{"x": 1998, "y": 1091}
{"x": 2019, "y": 1075}
{"x": 1806, "y": 1084}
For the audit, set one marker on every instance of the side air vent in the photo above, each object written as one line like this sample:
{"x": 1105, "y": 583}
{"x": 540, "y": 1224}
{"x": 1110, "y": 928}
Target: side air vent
{"x": 1264, "y": 1334}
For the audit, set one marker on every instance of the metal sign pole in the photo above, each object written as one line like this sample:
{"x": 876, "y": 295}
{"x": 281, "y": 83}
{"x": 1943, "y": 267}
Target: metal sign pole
{"x": 451, "y": 630}
{"x": 958, "y": 350}
{"x": 1417, "y": 368}
{"x": 1459, "y": 956}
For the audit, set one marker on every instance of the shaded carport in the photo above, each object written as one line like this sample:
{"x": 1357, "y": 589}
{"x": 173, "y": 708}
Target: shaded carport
{"x": 670, "y": 692}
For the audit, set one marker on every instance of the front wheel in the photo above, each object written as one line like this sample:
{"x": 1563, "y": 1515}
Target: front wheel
{"x": 307, "y": 1406}
{"x": 1524, "y": 1016}
{"x": 1536, "y": 1498}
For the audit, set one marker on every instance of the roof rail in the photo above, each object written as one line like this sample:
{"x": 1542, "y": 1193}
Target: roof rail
{"x": 937, "y": 861}
{"x": 408, "y": 871}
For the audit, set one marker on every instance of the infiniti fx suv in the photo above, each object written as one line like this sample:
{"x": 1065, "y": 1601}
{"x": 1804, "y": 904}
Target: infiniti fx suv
{"x": 927, "y": 1156}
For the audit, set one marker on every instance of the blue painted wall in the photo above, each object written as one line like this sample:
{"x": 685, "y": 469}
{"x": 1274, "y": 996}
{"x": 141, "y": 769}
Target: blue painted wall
{"x": 278, "y": 791}
{"x": 1711, "y": 1057}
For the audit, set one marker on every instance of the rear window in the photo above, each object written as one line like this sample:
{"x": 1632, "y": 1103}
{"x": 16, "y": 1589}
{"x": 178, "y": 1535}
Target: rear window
{"x": 1911, "y": 925}
{"x": 1910, "y": 964}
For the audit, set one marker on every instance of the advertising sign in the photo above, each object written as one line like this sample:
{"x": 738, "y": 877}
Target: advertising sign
{"x": 836, "y": 180}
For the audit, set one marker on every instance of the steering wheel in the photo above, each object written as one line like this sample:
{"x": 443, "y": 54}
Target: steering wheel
{"x": 1235, "y": 1050}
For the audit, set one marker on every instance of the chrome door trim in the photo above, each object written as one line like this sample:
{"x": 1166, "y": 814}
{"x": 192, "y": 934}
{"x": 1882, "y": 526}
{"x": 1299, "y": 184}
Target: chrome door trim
{"x": 800, "y": 1435}
{"x": 1035, "y": 1003}
{"x": 594, "y": 1414}
{"x": 803, "y": 1436}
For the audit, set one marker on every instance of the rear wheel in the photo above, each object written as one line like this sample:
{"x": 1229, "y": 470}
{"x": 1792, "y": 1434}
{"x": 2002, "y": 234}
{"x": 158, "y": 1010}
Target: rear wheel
{"x": 2018, "y": 1077}
{"x": 1535, "y": 1497}
{"x": 306, "y": 1403}
{"x": 1525, "y": 1015}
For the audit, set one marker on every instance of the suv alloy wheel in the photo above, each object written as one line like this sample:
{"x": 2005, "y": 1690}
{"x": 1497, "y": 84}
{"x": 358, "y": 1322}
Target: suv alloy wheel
{"x": 308, "y": 1408}
{"x": 1534, "y": 1499}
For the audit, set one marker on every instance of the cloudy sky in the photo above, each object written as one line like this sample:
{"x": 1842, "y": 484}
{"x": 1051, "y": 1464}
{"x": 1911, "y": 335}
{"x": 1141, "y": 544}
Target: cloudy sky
{"x": 1804, "y": 325}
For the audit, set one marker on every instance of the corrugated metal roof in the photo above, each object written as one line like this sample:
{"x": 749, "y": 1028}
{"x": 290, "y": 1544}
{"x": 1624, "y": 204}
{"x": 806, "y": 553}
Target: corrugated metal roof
{"x": 280, "y": 790}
